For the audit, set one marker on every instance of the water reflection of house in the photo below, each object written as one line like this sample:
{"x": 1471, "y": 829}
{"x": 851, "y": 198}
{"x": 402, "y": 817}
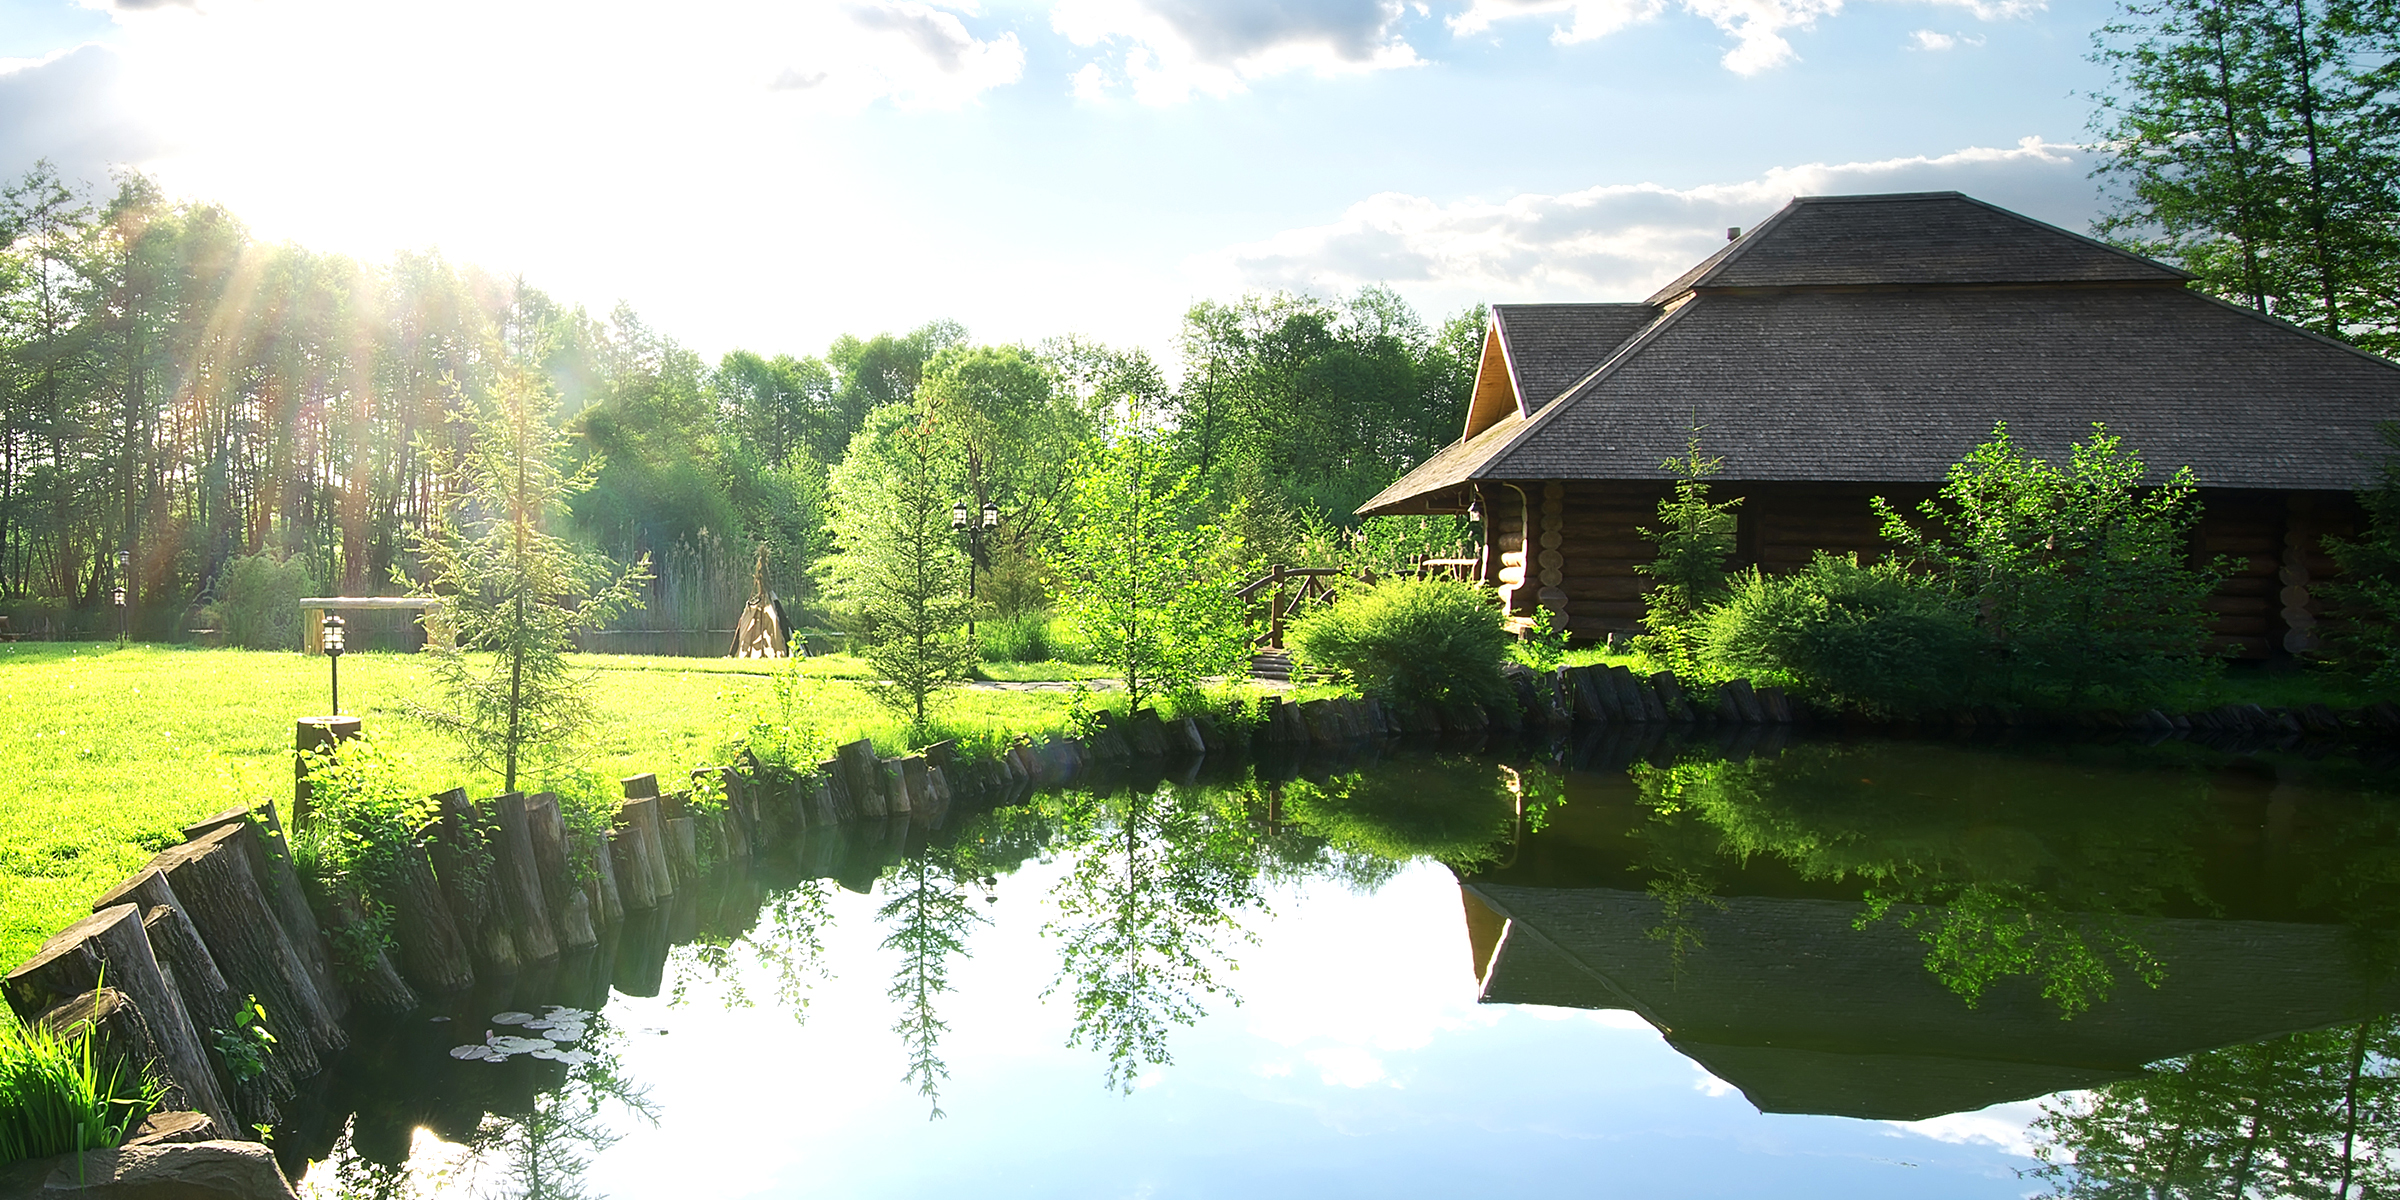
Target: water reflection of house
{"x": 1790, "y": 1001}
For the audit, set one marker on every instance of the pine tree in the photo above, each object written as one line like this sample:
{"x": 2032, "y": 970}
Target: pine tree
{"x": 901, "y": 570}
{"x": 513, "y": 594}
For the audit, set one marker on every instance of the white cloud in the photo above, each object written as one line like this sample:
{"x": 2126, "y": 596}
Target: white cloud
{"x": 1165, "y": 50}
{"x": 2008, "y": 1126}
{"x": 69, "y": 108}
{"x": 1614, "y": 241}
{"x": 1346, "y": 1066}
{"x": 1757, "y": 26}
{"x": 1588, "y": 19}
{"x": 1927, "y": 39}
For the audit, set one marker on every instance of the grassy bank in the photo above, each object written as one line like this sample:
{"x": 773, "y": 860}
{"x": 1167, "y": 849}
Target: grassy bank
{"x": 109, "y": 751}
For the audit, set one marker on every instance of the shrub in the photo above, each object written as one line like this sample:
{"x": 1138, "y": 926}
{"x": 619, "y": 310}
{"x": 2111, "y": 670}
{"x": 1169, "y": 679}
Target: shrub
{"x": 1024, "y": 637}
{"x": 1416, "y": 641}
{"x": 59, "y": 1096}
{"x": 1695, "y": 539}
{"x": 361, "y": 820}
{"x": 2366, "y": 595}
{"x": 1880, "y": 638}
{"x": 258, "y": 602}
{"x": 2077, "y": 571}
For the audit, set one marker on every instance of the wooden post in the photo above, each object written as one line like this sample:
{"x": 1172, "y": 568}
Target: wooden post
{"x": 261, "y": 840}
{"x": 463, "y": 865}
{"x": 608, "y": 901}
{"x": 214, "y": 880}
{"x": 432, "y": 953}
{"x": 520, "y": 883}
{"x": 111, "y": 947}
{"x": 570, "y": 909}
{"x": 320, "y": 734}
{"x": 1275, "y": 608}
{"x": 637, "y": 861}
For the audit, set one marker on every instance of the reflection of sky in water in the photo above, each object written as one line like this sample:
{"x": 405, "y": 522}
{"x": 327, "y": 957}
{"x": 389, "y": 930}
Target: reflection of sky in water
{"x": 1357, "y": 1064}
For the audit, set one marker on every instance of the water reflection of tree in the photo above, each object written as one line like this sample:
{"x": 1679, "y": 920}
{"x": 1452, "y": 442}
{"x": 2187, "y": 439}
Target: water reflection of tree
{"x": 2306, "y": 1115}
{"x": 1450, "y": 808}
{"x": 543, "y": 1153}
{"x": 786, "y": 946}
{"x": 2006, "y": 873}
{"x": 929, "y": 908}
{"x": 1157, "y": 881}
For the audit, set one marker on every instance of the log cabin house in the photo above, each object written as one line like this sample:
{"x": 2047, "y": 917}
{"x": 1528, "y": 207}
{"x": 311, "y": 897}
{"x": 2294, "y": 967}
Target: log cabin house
{"x": 1857, "y": 346}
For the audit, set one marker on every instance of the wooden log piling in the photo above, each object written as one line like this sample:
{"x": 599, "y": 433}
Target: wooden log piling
{"x": 459, "y": 845}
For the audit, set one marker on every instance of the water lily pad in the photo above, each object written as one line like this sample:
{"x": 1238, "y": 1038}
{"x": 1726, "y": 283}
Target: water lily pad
{"x": 512, "y": 1018}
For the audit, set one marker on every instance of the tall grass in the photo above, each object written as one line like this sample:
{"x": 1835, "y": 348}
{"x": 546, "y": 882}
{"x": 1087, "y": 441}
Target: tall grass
{"x": 59, "y": 1096}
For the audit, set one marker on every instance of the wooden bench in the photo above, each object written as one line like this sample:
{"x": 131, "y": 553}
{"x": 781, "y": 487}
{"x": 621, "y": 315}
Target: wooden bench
{"x": 7, "y": 634}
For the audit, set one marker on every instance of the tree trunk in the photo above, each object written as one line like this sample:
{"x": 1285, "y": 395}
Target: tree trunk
{"x": 263, "y": 842}
{"x": 213, "y": 879}
{"x": 639, "y": 860}
{"x": 863, "y": 773}
{"x": 212, "y": 1006}
{"x": 458, "y": 845}
{"x": 372, "y": 980}
{"x": 608, "y": 901}
{"x": 433, "y": 955}
{"x": 122, "y": 1044}
{"x": 570, "y": 907}
{"x": 683, "y": 851}
{"x": 110, "y": 948}
{"x": 518, "y": 882}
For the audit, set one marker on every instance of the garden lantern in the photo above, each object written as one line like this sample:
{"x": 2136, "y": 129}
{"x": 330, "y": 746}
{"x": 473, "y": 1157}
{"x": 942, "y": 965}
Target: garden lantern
{"x": 958, "y": 515}
{"x": 991, "y": 515}
{"x": 1475, "y": 510}
{"x": 332, "y": 628}
{"x": 963, "y": 520}
{"x": 117, "y": 594}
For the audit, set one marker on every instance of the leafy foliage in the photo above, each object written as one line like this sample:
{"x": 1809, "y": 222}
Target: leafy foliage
{"x": 1695, "y": 539}
{"x": 1881, "y": 638}
{"x": 1415, "y": 641}
{"x": 59, "y": 1095}
{"x": 1143, "y": 576}
{"x": 2253, "y": 142}
{"x": 901, "y": 571}
{"x": 509, "y": 589}
{"x": 2367, "y": 592}
{"x": 361, "y": 819}
{"x": 2077, "y": 572}
{"x": 258, "y": 602}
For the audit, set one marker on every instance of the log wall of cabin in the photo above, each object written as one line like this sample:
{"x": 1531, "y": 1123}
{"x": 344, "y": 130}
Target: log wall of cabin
{"x": 1585, "y": 548}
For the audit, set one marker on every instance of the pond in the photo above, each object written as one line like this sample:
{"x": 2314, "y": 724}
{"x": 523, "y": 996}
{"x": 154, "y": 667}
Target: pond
{"x": 1819, "y": 968}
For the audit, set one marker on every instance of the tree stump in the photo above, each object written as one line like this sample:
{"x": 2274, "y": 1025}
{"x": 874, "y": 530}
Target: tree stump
{"x": 637, "y": 857}
{"x": 458, "y": 844}
{"x": 683, "y": 850}
{"x": 863, "y": 772}
{"x": 834, "y": 805}
{"x": 519, "y": 882}
{"x": 570, "y": 906}
{"x": 212, "y": 1007}
{"x": 212, "y": 877}
{"x": 122, "y": 1044}
{"x": 600, "y": 879}
{"x": 263, "y": 842}
{"x": 366, "y": 970}
{"x": 111, "y": 948}
{"x": 433, "y": 955}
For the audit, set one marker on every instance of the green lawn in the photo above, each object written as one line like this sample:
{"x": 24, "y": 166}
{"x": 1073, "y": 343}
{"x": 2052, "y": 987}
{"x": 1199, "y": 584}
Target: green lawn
{"x": 107, "y": 752}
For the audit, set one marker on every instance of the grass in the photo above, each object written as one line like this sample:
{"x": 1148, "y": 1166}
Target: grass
{"x": 56, "y": 1097}
{"x": 109, "y": 751}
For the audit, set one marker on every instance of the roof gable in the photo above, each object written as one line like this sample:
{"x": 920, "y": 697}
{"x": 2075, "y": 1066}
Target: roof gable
{"x": 1919, "y": 239}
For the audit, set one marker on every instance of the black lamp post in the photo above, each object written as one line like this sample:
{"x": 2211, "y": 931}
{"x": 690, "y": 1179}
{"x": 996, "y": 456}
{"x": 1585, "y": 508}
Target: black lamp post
{"x": 332, "y": 626}
{"x": 118, "y": 594}
{"x": 963, "y": 521}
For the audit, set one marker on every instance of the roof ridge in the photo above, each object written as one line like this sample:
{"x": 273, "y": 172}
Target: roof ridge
{"x": 1728, "y": 253}
{"x": 1632, "y": 345}
{"x": 2085, "y": 238}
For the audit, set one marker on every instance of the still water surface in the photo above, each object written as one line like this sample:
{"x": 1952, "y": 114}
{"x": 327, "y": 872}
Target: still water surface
{"x": 1824, "y": 968}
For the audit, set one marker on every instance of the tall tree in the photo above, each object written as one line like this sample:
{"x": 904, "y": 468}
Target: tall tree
{"x": 900, "y": 568}
{"x": 2254, "y": 142}
{"x": 515, "y": 594}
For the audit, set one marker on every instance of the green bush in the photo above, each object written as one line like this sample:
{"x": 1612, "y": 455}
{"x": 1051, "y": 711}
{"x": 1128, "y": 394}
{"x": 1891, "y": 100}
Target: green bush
{"x": 258, "y": 602}
{"x": 1024, "y": 637}
{"x": 2078, "y": 572}
{"x": 1878, "y": 638}
{"x": 1416, "y": 641}
{"x": 57, "y": 1095}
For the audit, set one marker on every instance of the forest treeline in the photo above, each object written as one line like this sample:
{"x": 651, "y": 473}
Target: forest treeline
{"x": 177, "y": 390}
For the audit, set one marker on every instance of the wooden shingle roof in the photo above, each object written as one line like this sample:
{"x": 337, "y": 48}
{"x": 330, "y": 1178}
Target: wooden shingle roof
{"x": 1878, "y": 339}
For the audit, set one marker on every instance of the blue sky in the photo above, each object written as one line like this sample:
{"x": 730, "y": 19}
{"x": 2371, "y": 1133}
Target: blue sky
{"x": 746, "y": 172}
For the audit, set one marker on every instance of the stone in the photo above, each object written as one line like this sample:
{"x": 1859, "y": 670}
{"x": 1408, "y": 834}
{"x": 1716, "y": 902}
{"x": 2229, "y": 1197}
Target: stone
{"x": 163, "y": 1128}
{"x": 210, "y": 1170}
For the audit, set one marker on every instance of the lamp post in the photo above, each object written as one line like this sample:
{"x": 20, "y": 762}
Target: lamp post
{"x": 962, "y": 520}
{"x": 332, "y": 626}
{"x": 117, "y": 594}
